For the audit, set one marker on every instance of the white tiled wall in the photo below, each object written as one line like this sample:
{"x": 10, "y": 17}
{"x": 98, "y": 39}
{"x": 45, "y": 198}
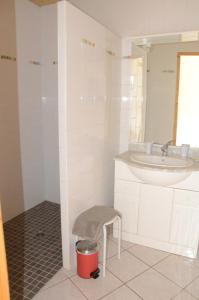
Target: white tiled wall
{"x": 28, "y": 20}
{"x": 93, "y": 111}
{"x": 90, "y": 98}
{"x": 37, "y": 86}
{"x": 50, "y": 102}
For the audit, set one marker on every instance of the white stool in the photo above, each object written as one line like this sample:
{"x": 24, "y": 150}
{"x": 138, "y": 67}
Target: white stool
{"x": 116, "y": 219}
{"x": 99, "y": 217}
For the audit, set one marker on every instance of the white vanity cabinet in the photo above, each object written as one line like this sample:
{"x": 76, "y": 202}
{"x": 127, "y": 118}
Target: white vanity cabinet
{"x": 155, "y": 208}
{"x": 127, "y": 200}
{"x": 165, "y": 218}
{"x": 185, "y": 220}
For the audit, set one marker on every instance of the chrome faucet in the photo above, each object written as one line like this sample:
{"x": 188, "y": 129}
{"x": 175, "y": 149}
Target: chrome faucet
{"x": 165, "y": 147}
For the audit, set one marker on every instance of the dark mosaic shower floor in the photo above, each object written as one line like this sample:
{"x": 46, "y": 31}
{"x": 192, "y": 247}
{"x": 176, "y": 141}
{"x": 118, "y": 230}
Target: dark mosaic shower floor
{"x": 33, "y": 246}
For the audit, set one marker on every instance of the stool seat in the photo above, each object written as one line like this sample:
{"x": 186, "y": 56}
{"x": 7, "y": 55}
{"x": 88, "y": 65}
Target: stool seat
{"x": 89, "y": 223}
{"x": 92, "y": 222}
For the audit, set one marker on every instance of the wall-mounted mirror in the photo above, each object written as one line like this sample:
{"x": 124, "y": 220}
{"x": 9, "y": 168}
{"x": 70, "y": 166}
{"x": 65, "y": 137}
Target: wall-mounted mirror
{"x": 170, "y": 87}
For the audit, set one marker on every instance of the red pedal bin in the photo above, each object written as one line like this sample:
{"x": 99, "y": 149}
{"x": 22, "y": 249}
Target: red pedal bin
{"x": 87, "y": 259}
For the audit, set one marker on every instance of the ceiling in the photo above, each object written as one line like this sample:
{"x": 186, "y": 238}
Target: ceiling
{"x": 130, "y": 18}
{"x": 143, "y": 17}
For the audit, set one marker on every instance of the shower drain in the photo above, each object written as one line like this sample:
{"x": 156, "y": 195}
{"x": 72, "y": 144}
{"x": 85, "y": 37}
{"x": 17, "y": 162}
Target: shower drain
{"x": 40, "y": 234}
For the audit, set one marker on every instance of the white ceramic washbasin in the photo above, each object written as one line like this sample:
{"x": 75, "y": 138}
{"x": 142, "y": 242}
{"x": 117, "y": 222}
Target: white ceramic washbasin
{"x": 159, "y": 170}
{"x": 161, "y": 161}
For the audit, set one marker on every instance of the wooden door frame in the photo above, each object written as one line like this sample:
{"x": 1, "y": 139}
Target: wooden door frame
{"x": 179, "y": 54}
{"x": 4, "y": 287}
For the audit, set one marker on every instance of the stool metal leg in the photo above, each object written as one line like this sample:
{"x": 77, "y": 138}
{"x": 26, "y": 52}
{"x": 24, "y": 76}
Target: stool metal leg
{"x": 119, "y": 236}
{"x": 104, "y": 250}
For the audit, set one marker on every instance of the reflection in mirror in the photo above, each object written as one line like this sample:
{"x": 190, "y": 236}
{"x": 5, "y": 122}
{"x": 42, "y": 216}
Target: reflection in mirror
{"x": 136, "y": 133}
{"x": 137, "y": 73}
{"x": 170, "y": 107}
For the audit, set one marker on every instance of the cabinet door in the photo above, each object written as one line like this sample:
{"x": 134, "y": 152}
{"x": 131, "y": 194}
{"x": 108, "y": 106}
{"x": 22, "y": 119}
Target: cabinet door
{"x": 126, "y": 202}
{"x": 185, "y": 219}
{"x": 4, "y": 290}
{"x": 155, "y": 212}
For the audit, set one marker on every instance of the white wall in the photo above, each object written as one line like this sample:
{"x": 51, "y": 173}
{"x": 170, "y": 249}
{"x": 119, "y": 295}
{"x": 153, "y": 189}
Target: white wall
{"x": 36, "y": 41}
{"x": 28, "y": 22}
{"x": 93, "y": 103}
{"x": 50, "y": 102}
{"x": 11, "y": 191}
{"x": 89, "y": 110}
{"x": 161, "y": 89}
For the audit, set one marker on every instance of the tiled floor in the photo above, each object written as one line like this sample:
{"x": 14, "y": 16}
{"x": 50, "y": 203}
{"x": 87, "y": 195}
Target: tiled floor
{"x": 33, "y": 246}
{"x": 141, "y": 273}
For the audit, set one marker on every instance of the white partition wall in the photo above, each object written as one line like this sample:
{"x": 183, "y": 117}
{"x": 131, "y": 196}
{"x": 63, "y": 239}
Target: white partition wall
{"x": 30, "y": 105}
{"x": 63, "y": 129}
{"x": 36, "y": 31}
{"x": 89, "y": 115}
{"x": 49, "y": 77}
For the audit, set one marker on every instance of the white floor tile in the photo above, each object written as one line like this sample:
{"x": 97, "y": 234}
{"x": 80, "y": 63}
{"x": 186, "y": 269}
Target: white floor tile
{"x": 70, "y": 273}
{"x": 65, "y": 290}
{"x": 193, "y": 288}
{"x": 124, "y": 244}
{"x": 112, "y": 249}
{"x": 148, "y": 255}
{"x": 178, "y": 269}
{"x": 183, "y": 296}
{"x": 195, "y": 262}
{"x": 126, "y": 267}
{"x": 122, "y": 293}
{"x": 97, "y": 288}
{"x": 153, "y": 286}
{"x": 58, "y": 277}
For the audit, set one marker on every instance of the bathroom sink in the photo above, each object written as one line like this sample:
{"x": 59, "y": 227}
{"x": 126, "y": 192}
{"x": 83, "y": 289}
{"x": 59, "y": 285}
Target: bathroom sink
{"x": 159, "y": 170}
{"x": 161, "y": 161}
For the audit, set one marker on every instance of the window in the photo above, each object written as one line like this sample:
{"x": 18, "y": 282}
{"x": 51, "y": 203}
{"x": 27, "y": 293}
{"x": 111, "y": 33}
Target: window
{"x": 187, "y": 104}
